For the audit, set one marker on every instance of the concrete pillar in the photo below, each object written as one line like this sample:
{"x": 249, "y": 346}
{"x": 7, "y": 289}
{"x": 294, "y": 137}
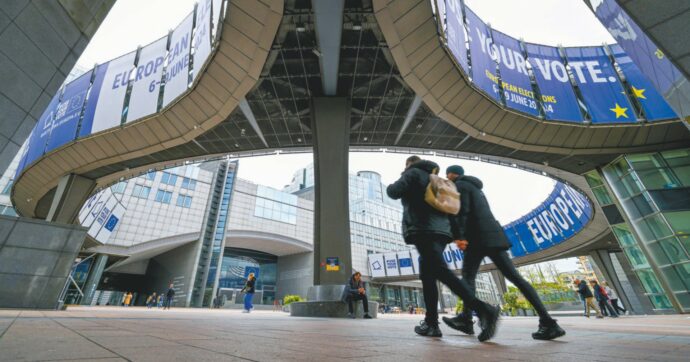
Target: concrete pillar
{"x": 71, "y": 194}
{"x": 331, "y": 132}
{"x": 94, "y": 278}
{"x": 500, "y": 282}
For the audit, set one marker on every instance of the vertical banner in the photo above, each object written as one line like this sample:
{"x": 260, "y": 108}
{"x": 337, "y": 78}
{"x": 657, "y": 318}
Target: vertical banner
{"x": 484, "y": 54}
{"x": 107, "y": 95}
{"x": 515, "y": 80}
{"x": 88, "y": 206}
{"x": 599, "y": 85}
{"x": 449, "y": 257}
{"x": 41, "y": 132}
{"x": 376, "y": 265}
{"x": 405, "y": 263}
{"x": 217, "y": 8}
{"x": 653, "y": 104}
{"x": 414, "y": 254}
{"x": 557, "y": 95}
{"x": 110, "y": 223}
{"x": 455, "y": 31}
{"x": 68, "y": 112}
{"x": 102, "y": 216}
{"x": 458, "y": 255}
{"x": 391, "y": 264}
{"x": 202, "y": 36}
{"x": 177, "y": 61}
{"x": 652, "y": 62}
{"x": 146, "y": 81}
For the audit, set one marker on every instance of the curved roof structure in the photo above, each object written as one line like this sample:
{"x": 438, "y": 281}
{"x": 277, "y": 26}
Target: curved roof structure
{"x": 253, "y": 94}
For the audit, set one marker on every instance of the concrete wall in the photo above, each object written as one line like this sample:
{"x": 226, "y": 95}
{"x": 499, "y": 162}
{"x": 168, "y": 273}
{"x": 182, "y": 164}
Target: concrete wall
{"x": 35, "y": 260}
{"x": 295, "y": 274}
{"x": 40, "y": 41}
{"x": 176, "y": 266}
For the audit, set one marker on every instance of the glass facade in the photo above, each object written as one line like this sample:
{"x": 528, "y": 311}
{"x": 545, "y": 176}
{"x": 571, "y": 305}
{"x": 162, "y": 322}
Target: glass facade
{"x": 275, "y": 205}
{"x": 235, "y": 268}
{"x": 141, "y": 192}
{"x": 653, "y": 191}
{"x": 163, "y": 196}
{"x": 169, "y": 179}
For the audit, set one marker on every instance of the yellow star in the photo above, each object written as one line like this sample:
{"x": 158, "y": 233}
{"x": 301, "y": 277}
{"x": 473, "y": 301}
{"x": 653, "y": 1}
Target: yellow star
{"x": 639, "y": 93}
{"x": 620, "y": 111}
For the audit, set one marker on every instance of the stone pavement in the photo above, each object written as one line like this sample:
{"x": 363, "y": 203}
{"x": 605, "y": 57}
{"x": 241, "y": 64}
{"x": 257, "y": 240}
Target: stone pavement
{"x": 137, "y": 334}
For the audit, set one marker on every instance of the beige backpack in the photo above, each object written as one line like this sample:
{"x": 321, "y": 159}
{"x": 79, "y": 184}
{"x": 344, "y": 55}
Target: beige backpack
{"x": 442, "y": 194}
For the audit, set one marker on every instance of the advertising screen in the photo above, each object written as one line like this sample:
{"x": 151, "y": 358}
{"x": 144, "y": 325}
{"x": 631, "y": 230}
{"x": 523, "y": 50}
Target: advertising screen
{"x": 68, "y": 112}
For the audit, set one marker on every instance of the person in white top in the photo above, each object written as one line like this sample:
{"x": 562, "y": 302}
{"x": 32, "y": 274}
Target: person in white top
{"x": 613, "y": 298}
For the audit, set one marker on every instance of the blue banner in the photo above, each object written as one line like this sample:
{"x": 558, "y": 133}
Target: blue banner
{"x": 563, "y": 214}
{"x": 68, "y": 112}
{"x": 515, "y": 81}
{"x": 455, "y": 32}
{"x": 41, "y": 132}
{"x": 601, "y": 90}
{"x": 653, "y": 104}
{"x": 557, "y": 94}
{"x": 92, "y": 101}
{"x": 651, "y": 61}
{"x": 483, "y": 55}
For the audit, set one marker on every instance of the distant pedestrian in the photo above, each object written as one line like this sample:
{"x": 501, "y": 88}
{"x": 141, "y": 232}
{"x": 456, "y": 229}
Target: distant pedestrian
{"x": 169, "y": 295}
{"x": 603, "y": 300}
{"x": 151, "y": 300}
{"x": 248, "y": 290}
{"x": 159, "y": 300}
{"x": 613, "y": 298}
{"x": 587, "y": 297}
{"x": 355, "y": 291}
{"x": 428, "y": 229}
{"x": 128, "y": 299}
{"x": 479, "y": 235}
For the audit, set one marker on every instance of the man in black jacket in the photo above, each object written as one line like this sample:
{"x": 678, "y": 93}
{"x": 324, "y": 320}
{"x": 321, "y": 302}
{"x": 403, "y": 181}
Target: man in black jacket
{"x": 429, "y": 231}
{"x": 355, "y": 291}
{"x": 587, "y": 297}
{"x": 479, "y": 235}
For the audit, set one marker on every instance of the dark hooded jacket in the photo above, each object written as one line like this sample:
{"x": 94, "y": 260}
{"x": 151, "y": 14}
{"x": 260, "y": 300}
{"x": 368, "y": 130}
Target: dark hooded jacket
{"x": 475, "y": 222}
{"x": 584, "y": 290}
{"x": 420, "y": 220}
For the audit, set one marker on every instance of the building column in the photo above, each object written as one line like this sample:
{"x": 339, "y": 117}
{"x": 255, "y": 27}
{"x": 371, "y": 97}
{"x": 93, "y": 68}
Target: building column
{"x": 331, "y": 132}
{"x": 94, "y": 278}
{"x": 500, "y": 282}
{"x": 71, "y": 194}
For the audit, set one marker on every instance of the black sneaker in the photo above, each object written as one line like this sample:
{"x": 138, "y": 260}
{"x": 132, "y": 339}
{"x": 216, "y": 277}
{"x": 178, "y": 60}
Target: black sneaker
{"x": 548, "y": 331}
{"x": 488, "y": 321}
{"x": 427, "y": 330}
{"x": 460, "y": 323}
{"x": 367, "y": 316}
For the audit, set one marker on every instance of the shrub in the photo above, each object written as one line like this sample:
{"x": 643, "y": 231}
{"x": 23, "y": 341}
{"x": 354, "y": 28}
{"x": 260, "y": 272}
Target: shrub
{"x": 292, "y": 298}
{"x": 458, "y": 306}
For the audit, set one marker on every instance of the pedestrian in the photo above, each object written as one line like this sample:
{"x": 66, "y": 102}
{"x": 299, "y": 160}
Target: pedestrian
{"x": 428, "y": 229}
{"x": 169, "y": 295}
{"x": 587, "y": 296}
{"x": 603, "y": 300}
{"x": 159, "y": 301}
{"x": 355, "y": 291}
{"x": 613, "y": 298}
{"x": 128, "y": 299}
{"x": 480, "y": 235}
{"x": 124, "y": 297}
{"x": 151, "y": 300}
{"x": 248, "y": 290}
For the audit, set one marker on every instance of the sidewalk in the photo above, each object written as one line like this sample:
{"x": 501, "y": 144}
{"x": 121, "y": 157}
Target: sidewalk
{"x": 138, "y": 334}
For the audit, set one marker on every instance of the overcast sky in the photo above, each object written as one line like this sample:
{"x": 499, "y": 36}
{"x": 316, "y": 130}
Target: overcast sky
{"x": 512, "y": 193}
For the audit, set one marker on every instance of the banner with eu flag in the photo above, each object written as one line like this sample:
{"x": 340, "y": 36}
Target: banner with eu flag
{"x": 557, "y": 94}
{"x": 653, "y": 104}
{"x": 483, "y": 54}
{"x": 455, "y": 32}
{"x": 68, "y": 112}
{"x": 601, "y": 90}
{"x": 515, "y": 81}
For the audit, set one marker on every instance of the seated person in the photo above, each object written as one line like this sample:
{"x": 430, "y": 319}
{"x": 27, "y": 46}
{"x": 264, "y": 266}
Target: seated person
{"x": 355, "y": 291}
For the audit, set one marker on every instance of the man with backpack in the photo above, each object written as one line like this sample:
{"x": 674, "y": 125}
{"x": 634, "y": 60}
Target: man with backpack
{"x": 603, "y": 300}
{"x": 428, "y": 229}
{"x": 479, "y": 235}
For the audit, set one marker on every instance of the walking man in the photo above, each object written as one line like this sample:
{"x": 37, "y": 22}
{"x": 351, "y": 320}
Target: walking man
{"x": 249, "y": 289}
{"x": 429, "y": 231}
{"x": 169, "y": 295}
{"x": 603, "y": 300}
{"x": 479, "y": 235}
{"x": 613, "y": 298}
{"x": 587, "y": 296}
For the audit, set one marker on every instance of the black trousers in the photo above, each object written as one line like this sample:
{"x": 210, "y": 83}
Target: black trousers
{"x": 614, "y": 304}
{"x": 433, "y": 268}
{"x": 352, "y": 297}
{"x": 606, "y": 308}
{"x": 500, "y": 257}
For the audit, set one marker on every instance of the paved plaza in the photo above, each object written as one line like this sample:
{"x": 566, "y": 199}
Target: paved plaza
{"x": 137, "y": 334}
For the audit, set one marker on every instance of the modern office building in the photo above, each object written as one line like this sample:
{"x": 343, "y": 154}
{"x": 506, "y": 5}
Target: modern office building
{"x": 237, "y": 78}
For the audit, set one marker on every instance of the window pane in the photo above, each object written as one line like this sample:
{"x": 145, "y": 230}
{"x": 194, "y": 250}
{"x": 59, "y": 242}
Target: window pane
{"x": 658, "y": 178}
{"x": 653, "y": 228}
{"x": 649, "y": 281}
{"x": 625, "y": 237}
{"x": 673, "y": 199}
{"x": 636, "y": 258}
{"x": 602, "y": 196}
